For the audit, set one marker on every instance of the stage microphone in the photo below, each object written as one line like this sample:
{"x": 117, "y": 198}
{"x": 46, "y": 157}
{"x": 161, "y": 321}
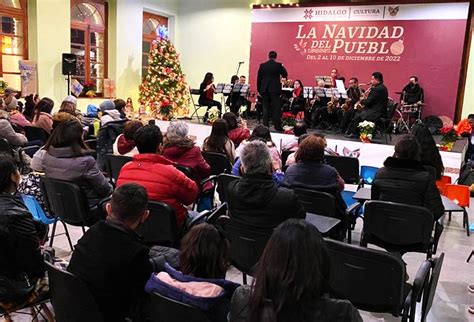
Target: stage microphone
{"x": 241, "y": 62}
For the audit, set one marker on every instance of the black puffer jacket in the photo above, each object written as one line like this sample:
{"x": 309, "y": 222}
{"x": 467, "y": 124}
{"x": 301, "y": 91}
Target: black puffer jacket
{"x": 407, "y": 181}
{"x": 19, "y": 239}
{"x": 256, "y": 201}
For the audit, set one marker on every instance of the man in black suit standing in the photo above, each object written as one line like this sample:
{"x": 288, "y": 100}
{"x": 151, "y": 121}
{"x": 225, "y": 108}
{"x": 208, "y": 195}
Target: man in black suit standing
{"x": 269, "y": 88}
{"x": 375, "y": 105}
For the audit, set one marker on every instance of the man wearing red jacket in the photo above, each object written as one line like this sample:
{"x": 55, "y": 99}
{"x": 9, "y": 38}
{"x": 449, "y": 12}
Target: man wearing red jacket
{"x": 162, "y": 181}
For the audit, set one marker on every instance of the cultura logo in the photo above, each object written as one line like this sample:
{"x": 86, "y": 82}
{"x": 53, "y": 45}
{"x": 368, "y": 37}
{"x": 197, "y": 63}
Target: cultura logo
{"x": 393, "y": 11}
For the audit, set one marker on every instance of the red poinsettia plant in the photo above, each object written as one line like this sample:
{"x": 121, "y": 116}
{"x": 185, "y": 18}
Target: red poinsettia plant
{"x": 449, "y": 134}
{"x": 288, "y": 119}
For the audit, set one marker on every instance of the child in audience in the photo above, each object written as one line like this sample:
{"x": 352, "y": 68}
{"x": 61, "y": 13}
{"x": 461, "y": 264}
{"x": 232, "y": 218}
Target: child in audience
{"x": 42, "y": 114}
{"x": 110, "y": 258}
{"x": 108, "y": 112}
{"x": 204, "y": 262}
{"x": 237, "y": 132}
{"x": 124, "y": 144}
{"x": 292, "y": 144}
{"x": 219, "y": 141}
{"x": 289, "y": 285}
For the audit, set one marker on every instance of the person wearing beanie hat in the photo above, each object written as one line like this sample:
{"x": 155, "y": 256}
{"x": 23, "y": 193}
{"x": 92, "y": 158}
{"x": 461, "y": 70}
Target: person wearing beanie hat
{"x": 109, "y": 113}
{"x": 72, "y": 99}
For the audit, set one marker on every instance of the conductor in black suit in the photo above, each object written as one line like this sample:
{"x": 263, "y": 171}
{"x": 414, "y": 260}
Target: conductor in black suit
{"x": 269, "y": 87}
{"x": 375, "y": 105}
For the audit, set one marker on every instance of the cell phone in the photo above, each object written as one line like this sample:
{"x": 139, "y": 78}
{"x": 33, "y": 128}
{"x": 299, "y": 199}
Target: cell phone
{"x": 151, "y": 122}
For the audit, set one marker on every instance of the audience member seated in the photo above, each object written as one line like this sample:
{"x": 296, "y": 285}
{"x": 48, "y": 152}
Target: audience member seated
{"x": 261, "y": 132}
{"x": 292, "y": 157}
{"x": 292, "y": 144}
{"x": 20, "y": 241}
{"x": 8, "y": 133}
{"x": 310, "y": 170}
{"x": 16, "y": 117}
{"x": 124, "y": 144}
{"x": 181, "y": 149}
{"x": 120, "y": 105}
{"x": 157, "y": 174}
{"x": 219, "y": 140}
{"x": 403, "y": 179}
{"x": 42, "y": 114}
{"x": 67, "y": 111}
{"x": 108, "y": 112}
{"x": 255, "y": 200}
{"x": 67, "y": 158}
{"x": 237, "y": 132}
{"x": 30, "y": 102}
{"x": 201, "y": 283}
{"x": 289, "y": 285}
{"x": 110, "y": 258}
{"x": 430, "y": 155}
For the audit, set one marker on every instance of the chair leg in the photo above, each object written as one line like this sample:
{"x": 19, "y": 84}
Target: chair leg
{"x": 449, "y": 218}
{"x": 244, "y": 278}
{"x": 470, "y": 256}
{"x": 83, "y": 230}
{"x": 349, "y": 235}
{"x": 68, "y": 236}
{"x": 466, "y": 220}
{"x": 53, "y": 233}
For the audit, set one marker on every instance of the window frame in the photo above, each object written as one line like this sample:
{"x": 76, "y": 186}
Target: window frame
{"x": 88, "y": 29}
{"x": 149, "y": 37}
{"x": 22, "y": 15}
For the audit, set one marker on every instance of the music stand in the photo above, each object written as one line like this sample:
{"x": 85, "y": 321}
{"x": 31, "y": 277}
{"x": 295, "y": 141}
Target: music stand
{"x": 244, "y": 90}
{"x": 308, "y": 92}
{"x": 326, "y": 79}
{"x": 319, "y": 91}
{"x": 220, "y": 88}
{"x": 237, "y": 87}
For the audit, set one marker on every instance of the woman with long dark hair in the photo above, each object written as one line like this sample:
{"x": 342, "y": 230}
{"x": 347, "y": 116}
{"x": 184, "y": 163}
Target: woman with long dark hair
{"x": 219, "y": 140}
{"x": 297, "y": 100}
{"x": 204, "y": 260}
{"x": 206, "y": 95}
{"x": 429, "y": 153}
{"x": 290, "y": 281}
{"x": 42, "y": 114}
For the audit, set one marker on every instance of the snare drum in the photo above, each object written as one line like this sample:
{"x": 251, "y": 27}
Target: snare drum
{"x": 410, "y": 108}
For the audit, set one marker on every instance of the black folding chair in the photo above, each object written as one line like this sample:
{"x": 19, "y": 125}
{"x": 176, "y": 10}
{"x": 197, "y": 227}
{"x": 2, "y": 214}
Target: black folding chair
{"x": 34, "y": 133}
{"x": 196, "y": 106}
{"x": 218, "y": 162}
{"x": 68, "y": 202}
{"x": 374, "y": 280}
{"x": 384, "y": 123}
{"x": 223, "y": 181}
{"x": 114, "y": 164}
{"x": 105, "y": 140}
{"x": 398, "y": 227}
{"x": 428, "y": 295}
{"x": 347, "y": 167}
{"x": 71, "y": 299}
{"x": 186, "y": 170}
{"x": 246, "y": 245}
{"x": 160, "y": 228}
{"x": 163, "y": 309}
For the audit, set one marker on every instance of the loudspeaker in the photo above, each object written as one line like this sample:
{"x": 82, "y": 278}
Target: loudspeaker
{"x": 69, "y": 64}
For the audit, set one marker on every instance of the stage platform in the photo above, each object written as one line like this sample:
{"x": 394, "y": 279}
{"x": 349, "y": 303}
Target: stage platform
{"x": 371, "y": 154}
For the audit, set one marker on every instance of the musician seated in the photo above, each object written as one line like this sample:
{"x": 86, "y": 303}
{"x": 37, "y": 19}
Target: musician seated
{"x": 354, "y": 93}
{"x": 375, "y": 105}
{"x": 243, "y": 101}
{"x": 412, "y": 93}
{"x": 332, "y": 115}
{"x": 317, "y": 106}
{"x": 233, "y": 98}
{"x": 297, "y": 102}
{"x": 206, "y": 95}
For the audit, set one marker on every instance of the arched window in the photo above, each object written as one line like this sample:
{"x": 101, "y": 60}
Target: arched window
{"x": 89, "y": 42}
{"x": 150, "y": 23}
{"x": 13, "y": 32}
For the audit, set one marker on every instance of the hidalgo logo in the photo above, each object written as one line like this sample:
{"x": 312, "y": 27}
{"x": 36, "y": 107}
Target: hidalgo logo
{"x": 393, "y": 11}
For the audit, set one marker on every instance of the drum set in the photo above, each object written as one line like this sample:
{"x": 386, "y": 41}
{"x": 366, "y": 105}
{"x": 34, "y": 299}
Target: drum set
{"x": 406, "y": 116}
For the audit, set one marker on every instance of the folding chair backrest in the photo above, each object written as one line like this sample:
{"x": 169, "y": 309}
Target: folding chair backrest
{"x": 246, "y": 244}
{"x": 6, "y": 149}
{"x": 347, "y": 167}
{"x": 218, "y": 162}
{"x": 65, "y": 200}
{"x": 398, "y": 224}
{"x": 460, "y": 194}
{"x": 372, "y": 280}
{"x": 71, "y": 299}
{"x": 428, "y": 295}
{"x": 160, "y": 227}
{"x": 34, "y": 133}
{"x": 368, "y": 173}
{"x": 114, "y": 164}
{"x": 216, "y": 213}
{"x": 163, "y": 309}
{"x": 317, "y": 202}
{"x": 186, "y": 170}
{"x": 223, "y": 181}
{"x": 391, "y": 108}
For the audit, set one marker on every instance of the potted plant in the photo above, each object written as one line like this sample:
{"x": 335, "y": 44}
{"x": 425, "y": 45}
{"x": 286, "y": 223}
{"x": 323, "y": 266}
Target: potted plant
{"x": 366, "y": 130}
{"x": 165, "y": 110}
{"x": 288, "y": 122}
{"x": 449, "y": 136}
{"x": 3, "y": 86}
{"x": 212, "y": 115}
{"x": 89, "y": 89}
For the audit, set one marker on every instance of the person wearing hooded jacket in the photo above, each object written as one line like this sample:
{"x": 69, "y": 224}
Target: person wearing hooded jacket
{"x": 255, "y": 200}
{"x": 109, "y": 113}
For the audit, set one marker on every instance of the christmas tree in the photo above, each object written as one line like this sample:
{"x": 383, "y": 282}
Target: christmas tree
{"x": 164, "y": 92}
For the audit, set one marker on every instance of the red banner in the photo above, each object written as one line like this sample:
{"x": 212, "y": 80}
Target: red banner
{"x": 398, "y": 40}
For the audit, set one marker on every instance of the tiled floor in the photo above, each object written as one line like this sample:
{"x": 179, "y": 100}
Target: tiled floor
{"x": 451, "y": 299}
